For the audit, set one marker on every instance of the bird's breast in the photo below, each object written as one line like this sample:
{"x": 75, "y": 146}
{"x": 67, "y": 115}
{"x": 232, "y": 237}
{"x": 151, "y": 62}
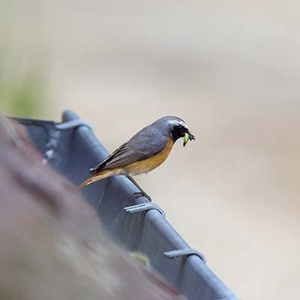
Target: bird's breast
{"x": 148, "y": 164}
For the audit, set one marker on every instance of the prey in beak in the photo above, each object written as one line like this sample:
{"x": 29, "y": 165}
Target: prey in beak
{"x": 187, "y": 137}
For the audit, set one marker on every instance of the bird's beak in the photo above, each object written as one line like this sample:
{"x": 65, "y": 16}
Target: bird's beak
{"x": 187, "y": 137}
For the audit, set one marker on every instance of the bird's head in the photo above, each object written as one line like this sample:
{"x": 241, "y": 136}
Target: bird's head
{"x": 176, "y": 128}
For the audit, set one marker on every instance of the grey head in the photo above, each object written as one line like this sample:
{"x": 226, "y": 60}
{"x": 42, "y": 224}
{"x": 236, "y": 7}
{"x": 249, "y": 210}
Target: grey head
{"x": 175, "y": 128}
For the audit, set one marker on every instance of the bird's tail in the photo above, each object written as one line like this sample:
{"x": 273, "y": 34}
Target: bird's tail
{"x": 93, "y": 178}
{"x": 85, "y": 183}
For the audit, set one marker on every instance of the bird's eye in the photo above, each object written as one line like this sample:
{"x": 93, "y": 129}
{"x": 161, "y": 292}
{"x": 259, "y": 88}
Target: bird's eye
{"x": 181, "y": 130}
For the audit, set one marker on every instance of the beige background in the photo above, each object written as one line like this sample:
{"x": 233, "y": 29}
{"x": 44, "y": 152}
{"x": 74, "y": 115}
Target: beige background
{"x": 231, "y": 69}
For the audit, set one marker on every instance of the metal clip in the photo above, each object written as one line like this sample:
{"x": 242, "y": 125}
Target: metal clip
{"x": 185, "y": 252}
{"x": 143, "y": 207}
{"x": 72, "y": 124}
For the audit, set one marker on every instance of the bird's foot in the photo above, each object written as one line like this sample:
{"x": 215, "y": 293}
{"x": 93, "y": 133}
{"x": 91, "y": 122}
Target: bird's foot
{"x": 141, "y": 194}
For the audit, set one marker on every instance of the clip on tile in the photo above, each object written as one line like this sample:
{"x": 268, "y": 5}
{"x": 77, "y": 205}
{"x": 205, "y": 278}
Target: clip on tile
{"x": 143, "y": 207}
{"x": 72, "y": 124}
{"x": 184, "y": 253}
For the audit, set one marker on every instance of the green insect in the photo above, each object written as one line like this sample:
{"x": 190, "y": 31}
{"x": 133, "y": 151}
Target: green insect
{"x": 187, "y": 138}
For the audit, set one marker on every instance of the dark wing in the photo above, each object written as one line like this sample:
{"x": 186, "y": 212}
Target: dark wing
{"x": 144, "y": 144}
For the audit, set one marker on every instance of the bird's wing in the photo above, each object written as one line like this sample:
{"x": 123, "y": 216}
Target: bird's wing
{"x": 143, "y": 145}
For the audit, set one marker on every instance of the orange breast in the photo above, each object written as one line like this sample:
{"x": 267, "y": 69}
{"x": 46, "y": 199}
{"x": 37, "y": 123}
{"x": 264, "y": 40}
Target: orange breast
{"x": 150, "y": 163}
{"x": 136, "y": 168}
{"x": 139, "y": 167}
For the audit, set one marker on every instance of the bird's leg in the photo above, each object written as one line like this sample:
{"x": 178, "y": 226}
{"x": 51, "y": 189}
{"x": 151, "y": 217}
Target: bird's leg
{"x": 141, "y": 193}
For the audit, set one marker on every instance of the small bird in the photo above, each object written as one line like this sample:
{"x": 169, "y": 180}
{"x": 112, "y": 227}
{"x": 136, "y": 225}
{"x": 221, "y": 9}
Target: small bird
{"x": 145, "y": 151}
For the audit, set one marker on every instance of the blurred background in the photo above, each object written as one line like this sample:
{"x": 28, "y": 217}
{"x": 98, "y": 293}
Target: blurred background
{"x": 230, "y": 69}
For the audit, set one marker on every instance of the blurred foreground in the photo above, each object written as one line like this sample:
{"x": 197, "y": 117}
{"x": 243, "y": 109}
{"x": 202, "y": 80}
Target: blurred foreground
{"x": 52, "y": 245}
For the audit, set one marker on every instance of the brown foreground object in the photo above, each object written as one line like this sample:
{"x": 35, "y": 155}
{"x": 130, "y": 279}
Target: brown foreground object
{"x": 52, "y": 245}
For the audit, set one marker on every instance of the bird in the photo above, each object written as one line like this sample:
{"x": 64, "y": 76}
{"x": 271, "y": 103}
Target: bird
{"x": 145, "y": 151}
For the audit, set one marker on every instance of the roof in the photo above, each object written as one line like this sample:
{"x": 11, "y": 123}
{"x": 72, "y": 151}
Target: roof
{"x": 71, "y": 148}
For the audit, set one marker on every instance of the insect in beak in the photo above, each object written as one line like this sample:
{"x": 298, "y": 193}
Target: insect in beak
{"x": 187, "y": 137}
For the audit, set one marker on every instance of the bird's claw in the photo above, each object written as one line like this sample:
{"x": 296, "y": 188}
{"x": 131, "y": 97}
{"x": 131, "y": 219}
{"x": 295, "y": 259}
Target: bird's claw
{"x": 141, "y": 194}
